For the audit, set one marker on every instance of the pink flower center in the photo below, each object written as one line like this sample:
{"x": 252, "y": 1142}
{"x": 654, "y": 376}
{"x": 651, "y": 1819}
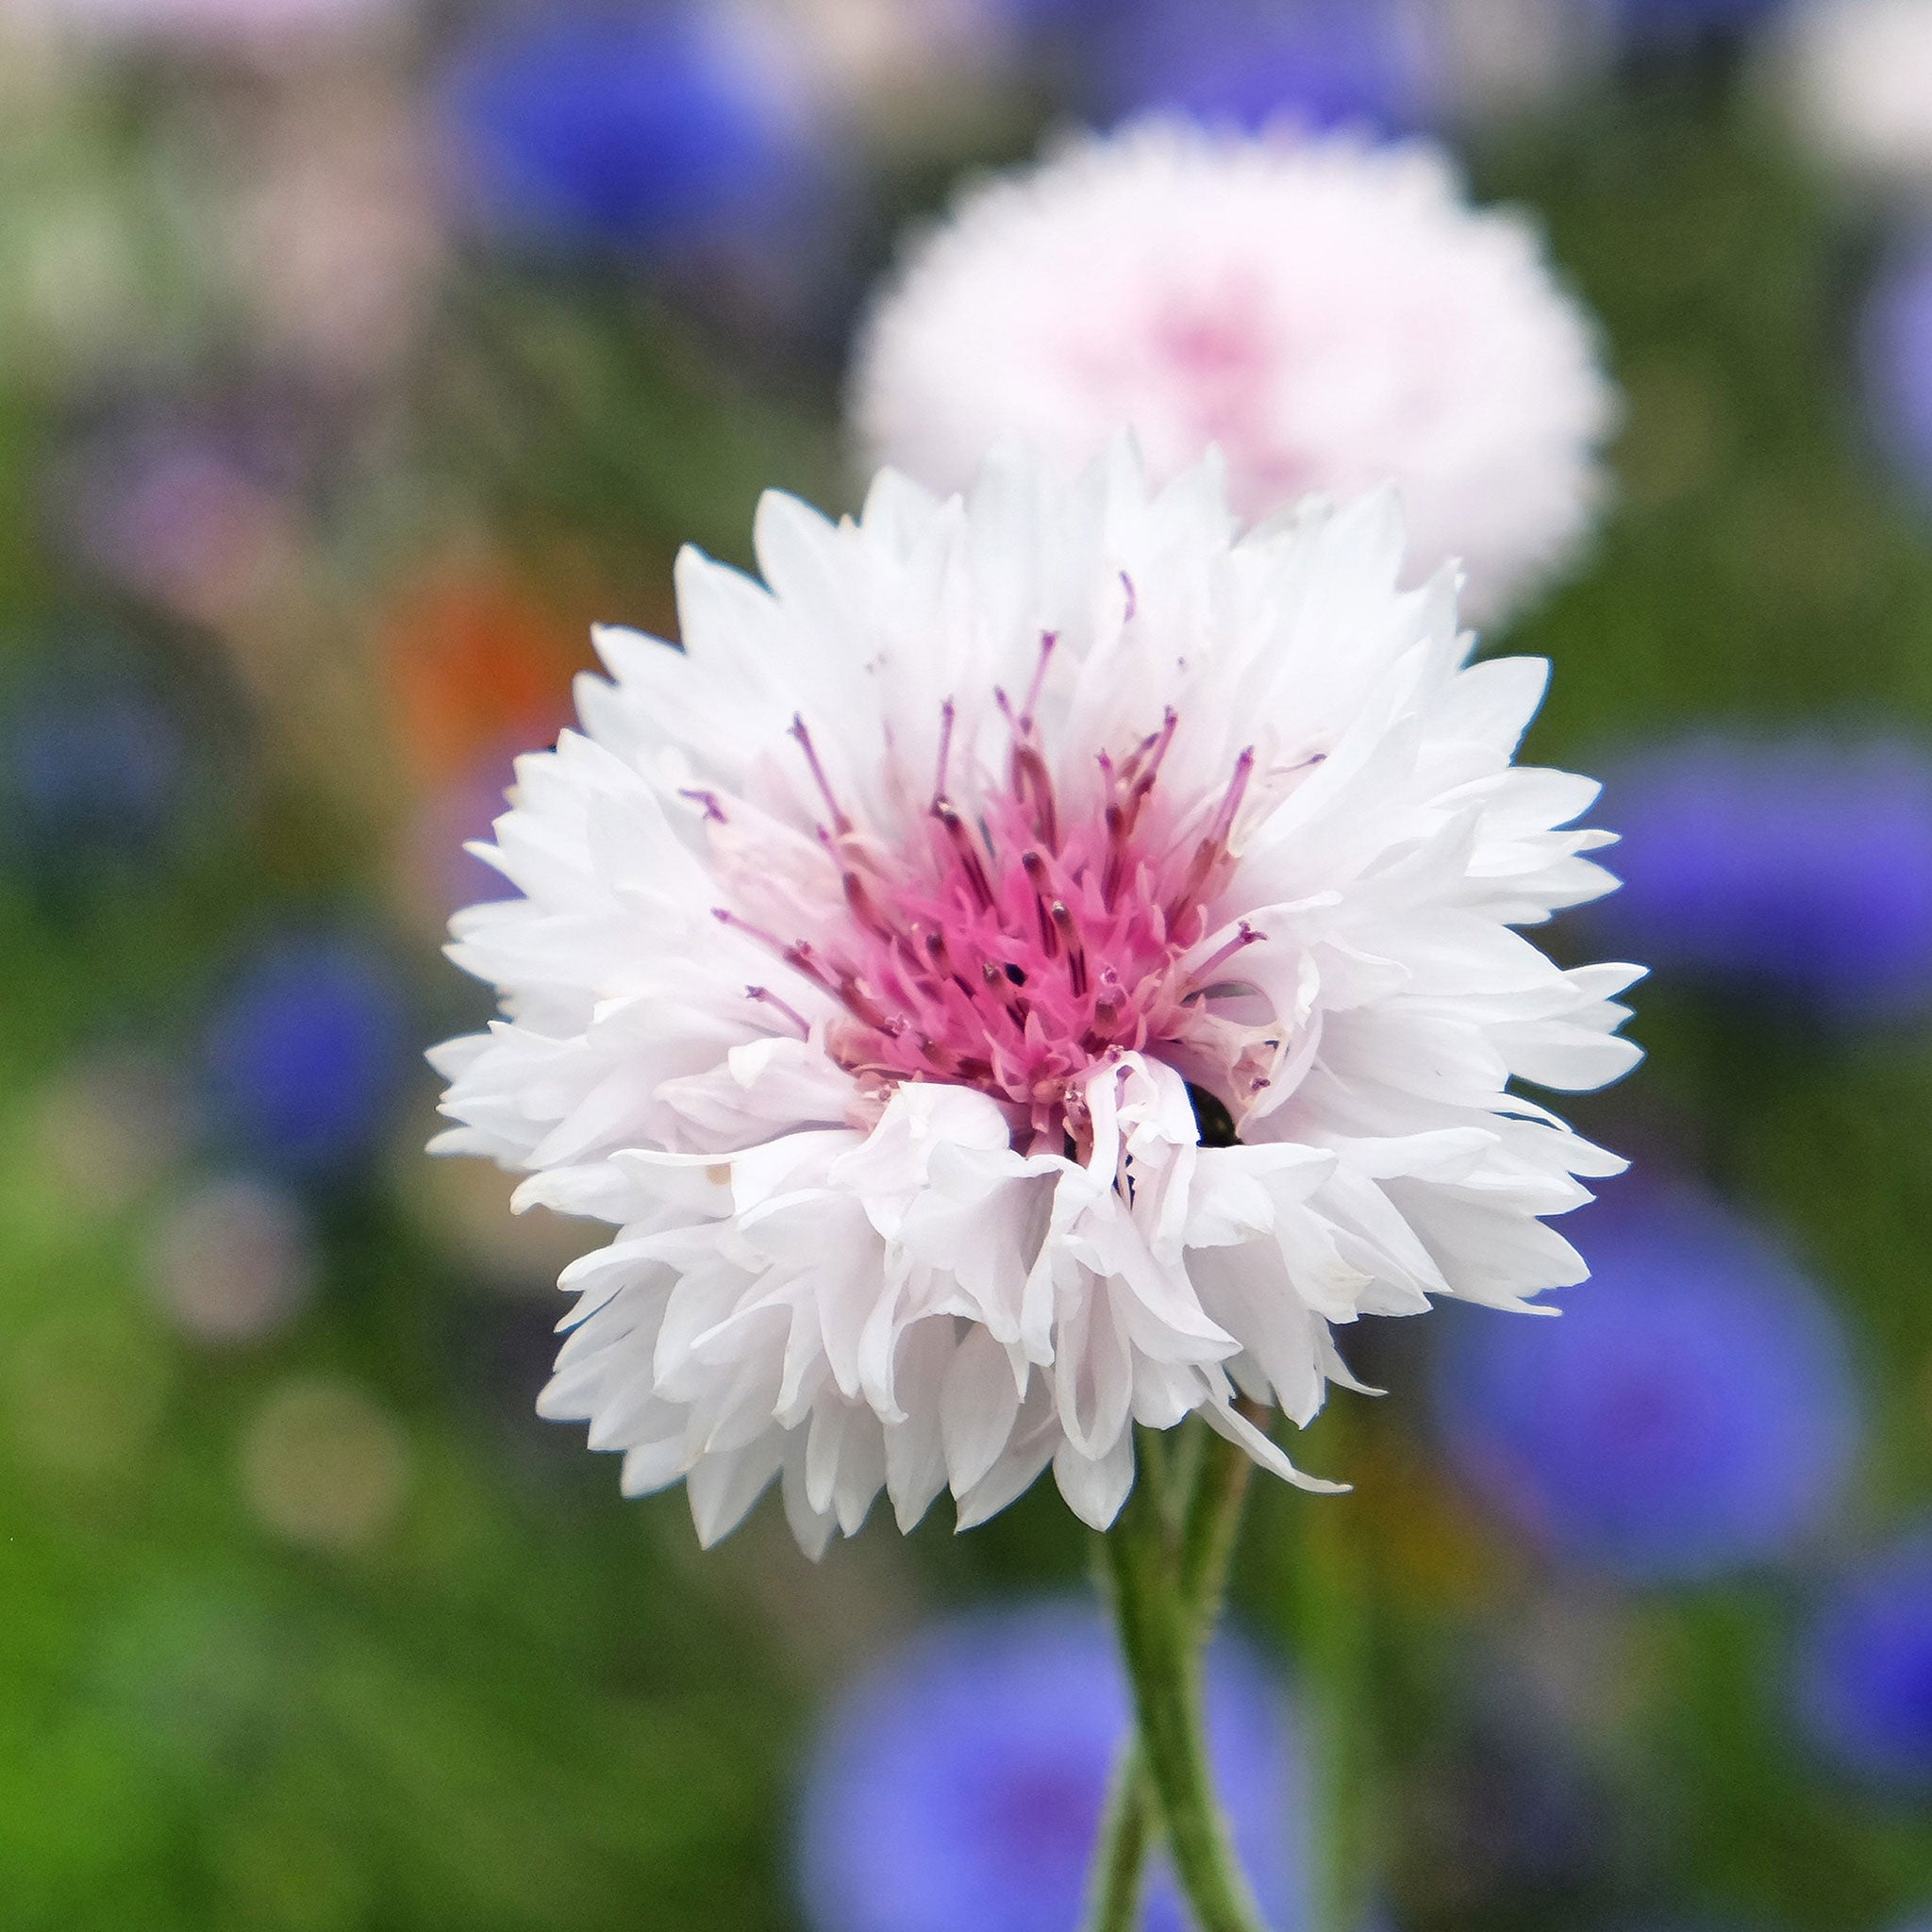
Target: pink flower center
{"x": 1204, "y": 363}
{"x": 1010, "y": 950}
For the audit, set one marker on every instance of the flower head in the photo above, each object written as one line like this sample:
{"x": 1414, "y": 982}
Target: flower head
{"x": 1329, "y": 63}
{"x": 93, "y": 764}
{"x": 638, "y": 131}
{"x": 1030, "y": 969}
{"x": 1865, "y": 1676}
{"x": 1664, "y": 20}
{"x": 232, "y": 1260}
{"x": 960, "y": 1785}
{"x": 1693, "y": 1410}
{"x": 189, "y": 507}
{"x": 301, "y": 1050}
{"x": 1854, "y": 71}
{"x": 249, "y": 22}
{"x": 1801, "y": 868}
{"x": 1331, "y": 314}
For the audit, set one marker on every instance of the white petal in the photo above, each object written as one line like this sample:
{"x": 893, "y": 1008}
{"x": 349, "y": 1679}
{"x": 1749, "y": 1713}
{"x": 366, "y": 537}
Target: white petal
{"x": 1095, "y": 1487}
{"x": 979, "y": 1401}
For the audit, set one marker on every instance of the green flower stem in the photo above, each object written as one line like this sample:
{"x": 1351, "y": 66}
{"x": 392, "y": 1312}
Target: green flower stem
{"x": 1216, "y": 1487}
{"x": 1331, "y": 1589}
{"x": 1211, "y": 1525}
{"x": 1160, "y": 1631}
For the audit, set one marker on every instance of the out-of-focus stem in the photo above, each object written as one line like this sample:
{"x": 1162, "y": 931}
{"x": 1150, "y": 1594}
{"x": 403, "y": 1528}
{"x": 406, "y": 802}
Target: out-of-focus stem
{"x": 1120, "y": 1859}
{"x": 1333, "y": 1629}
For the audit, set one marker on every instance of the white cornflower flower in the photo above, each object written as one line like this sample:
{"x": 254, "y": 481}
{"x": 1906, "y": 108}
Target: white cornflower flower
{"x": 1857, "y": 76}
{"x": 1330, "y": 314}
{"x": 899, "y": 960}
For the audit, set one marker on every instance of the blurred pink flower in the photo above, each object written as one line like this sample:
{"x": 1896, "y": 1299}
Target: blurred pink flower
{"x": 1330, "y": 314}
{"x": 335, "y": 240}
{"x": 216, "y": 20}
{"x": 193, "y": 509}
{"x": 1858, "y": 77}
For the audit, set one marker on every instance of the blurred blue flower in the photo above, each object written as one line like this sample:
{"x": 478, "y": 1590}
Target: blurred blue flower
{"x": 1801, "y": 868}
{"x": 640, "y": 128}
{"x": 91, "y": 762}
{"x": 959, "y": 1787}
{"x": 1895, "y": 354}
{"x": 1865, "y": 1676}
{"x": 1324, "y": 63}
{"x": 305, "y": 1052}
{"x": 1658, "y": 19}
{"x": 1692, "y": 1410}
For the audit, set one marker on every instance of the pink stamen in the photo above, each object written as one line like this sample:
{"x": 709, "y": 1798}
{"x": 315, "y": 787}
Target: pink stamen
{"x": 840, "y": 823}
{"x": 862, "y": 1003}
{"x": 1069, "y": 940}
{"x": 725, "y": 916}
{"x": 1245, "y": 935}
{"x": 1212, "y": 850}
{"x": 865, "y": 908}
{"x": 947, "y": 813}
{"x": 1034, "y": 866}
{"x": 1048, "y": 640}
{"x": 1143, "y": 787}
{"x": 1022, "y": 942}
{"x": 938, "y": 783}
{"x": 800, "y": 955}
{"x": 765, "y": 996}
{"x": 999, "y": 982}
{"x": 1032, "y": 786}
{"x": 1118, "y": 834}
{"x": 1231, "y": 799}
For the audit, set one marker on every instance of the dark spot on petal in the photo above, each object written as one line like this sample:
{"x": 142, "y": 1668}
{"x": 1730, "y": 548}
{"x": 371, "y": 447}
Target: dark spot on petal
{"x": 1213, "y": 1119}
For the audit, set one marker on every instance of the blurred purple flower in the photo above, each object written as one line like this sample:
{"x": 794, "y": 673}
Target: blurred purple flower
{"x": 1865, "y": 1674}
{"x": 1692, "y": 1411}
{"x": 188, "y": 503}
{"x": 1799, "y": 867}
{"x": 1895, "y": 354}
{"x": 305, "y": 1052}
{"x": 1324, "y": 63}
{"x": 959, "y": 1787}
{"x": 633, "y": 129}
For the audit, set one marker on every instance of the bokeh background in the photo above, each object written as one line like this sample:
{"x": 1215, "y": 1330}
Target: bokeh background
{"x": 354, "y": 355}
